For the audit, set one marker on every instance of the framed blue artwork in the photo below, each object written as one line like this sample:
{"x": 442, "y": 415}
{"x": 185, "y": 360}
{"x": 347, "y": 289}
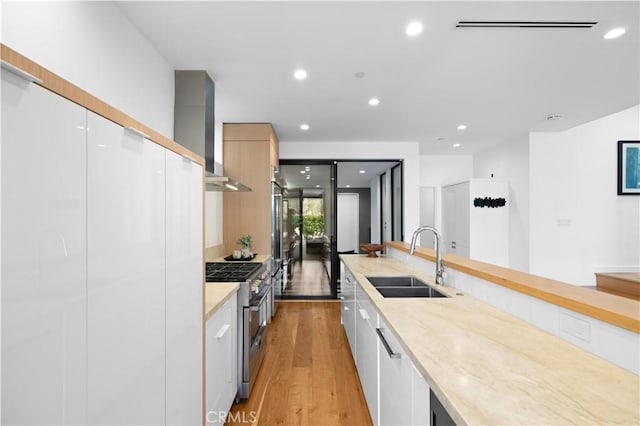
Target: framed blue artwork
{"x": 628, "y": 167}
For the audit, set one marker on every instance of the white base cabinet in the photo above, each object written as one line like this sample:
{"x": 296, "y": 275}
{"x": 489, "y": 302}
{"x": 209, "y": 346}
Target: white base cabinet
{"x": 367, "y": 351}
{"x": 395, "y": 392}
{"x": 222, "y": 360}
{"x": 395, "y": 379}
{"x": 348, "y": 306}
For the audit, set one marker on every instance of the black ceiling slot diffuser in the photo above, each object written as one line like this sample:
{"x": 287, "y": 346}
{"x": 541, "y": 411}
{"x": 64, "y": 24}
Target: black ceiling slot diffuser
{"x": 526, "y": 24}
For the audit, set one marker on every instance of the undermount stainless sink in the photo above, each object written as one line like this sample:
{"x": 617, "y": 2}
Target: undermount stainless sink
{"x": 396, "y": 281}
{"x": 403, "y": 286}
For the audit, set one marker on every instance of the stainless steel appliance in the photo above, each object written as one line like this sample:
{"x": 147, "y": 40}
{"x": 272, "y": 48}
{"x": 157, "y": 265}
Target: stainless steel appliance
{"x": 277, "y": 188}
{"x": 253, "y": 314}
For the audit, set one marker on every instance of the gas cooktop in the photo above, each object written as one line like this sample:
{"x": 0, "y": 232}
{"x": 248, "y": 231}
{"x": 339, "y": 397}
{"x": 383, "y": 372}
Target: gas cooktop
{"x": 230, "y": 272}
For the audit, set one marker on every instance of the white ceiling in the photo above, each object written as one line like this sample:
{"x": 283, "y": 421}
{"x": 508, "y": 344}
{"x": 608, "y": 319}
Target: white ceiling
{"x": 501, "y": 83}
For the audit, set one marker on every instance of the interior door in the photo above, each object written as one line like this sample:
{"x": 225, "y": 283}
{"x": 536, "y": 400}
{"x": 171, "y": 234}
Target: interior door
{"x": 348, "y": 224}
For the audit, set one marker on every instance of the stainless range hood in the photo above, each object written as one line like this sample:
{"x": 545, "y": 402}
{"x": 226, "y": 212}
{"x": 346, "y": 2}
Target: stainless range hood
{"x": 193, "y": 125}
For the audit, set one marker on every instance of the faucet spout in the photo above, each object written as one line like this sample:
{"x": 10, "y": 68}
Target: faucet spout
{"x": 438, "y": 239}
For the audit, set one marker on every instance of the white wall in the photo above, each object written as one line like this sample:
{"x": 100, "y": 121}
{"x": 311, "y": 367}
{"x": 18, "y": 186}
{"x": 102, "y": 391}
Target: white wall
{"x": 406, "y": 151}
{"x": 94, "y": 46}
{"x": 578, "y": 223}
{"x": 439, "y": 170}
{"x": 511, "y": 161}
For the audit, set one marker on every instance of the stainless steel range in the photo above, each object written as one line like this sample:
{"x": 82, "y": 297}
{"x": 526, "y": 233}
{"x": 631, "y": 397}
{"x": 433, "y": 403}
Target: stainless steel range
{"x": 253, "y": 311}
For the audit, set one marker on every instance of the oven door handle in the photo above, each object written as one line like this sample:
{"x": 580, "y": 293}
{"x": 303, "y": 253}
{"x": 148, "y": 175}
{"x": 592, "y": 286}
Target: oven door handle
{"x": 263, "y": 299}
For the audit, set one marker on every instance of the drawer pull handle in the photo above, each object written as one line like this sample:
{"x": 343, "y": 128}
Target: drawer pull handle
{"x": 392, "y": 354}
{"x": 223, "y": 330}
{"x": 20, "y": 73}
{"x": 137, "y": 132}
{"x": 364, "y": 314}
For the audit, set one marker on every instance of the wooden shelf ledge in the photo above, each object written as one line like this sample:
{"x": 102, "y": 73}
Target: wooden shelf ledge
{"x": 616, "y": 310}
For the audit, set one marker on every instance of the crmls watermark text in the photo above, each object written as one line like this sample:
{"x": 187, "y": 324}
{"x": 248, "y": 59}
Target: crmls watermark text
{"x": 222, "y": 417}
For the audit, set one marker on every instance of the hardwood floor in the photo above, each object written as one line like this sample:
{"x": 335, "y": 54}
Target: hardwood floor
{"x": 309, "y": 278}
{"x": 308, "y": 376}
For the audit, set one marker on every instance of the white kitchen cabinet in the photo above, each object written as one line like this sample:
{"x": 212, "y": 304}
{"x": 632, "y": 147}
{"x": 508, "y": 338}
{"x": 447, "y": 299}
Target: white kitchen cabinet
{"x": 222, "y": 360}
{"x": 480, "y": 233}
{"x": 395, "y": 380}
{"x": 184, "y": 308}
{"x": 44, "y": 255}
{"x": 348, "y": 305}
{"x": 395, "y": 392}
{"x": 367, "y": 351}
{"x": 420, "y": 399}
{"x": 126, "y": 276}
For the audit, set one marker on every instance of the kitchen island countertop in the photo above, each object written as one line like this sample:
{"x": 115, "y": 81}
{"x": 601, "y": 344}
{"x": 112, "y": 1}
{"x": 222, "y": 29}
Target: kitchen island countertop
{"x": 488, "y": 367}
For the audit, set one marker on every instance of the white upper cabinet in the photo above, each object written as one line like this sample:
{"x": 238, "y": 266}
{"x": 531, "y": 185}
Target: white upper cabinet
{"x": 184, "y": 286}
{"x": 44, "y": 256}
{"x": 126, "y": 270}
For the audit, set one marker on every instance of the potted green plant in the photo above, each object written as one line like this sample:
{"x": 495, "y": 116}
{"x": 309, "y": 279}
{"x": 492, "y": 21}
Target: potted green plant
{"x": 245, "y": 242}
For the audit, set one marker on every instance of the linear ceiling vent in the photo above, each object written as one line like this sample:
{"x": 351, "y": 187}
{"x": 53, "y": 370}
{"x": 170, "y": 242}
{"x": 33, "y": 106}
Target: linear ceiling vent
{"x": 526, "y": 24}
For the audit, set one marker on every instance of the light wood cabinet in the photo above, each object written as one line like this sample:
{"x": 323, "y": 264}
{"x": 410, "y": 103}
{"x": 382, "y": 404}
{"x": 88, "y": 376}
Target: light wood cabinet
{"x": 250, "y": 154}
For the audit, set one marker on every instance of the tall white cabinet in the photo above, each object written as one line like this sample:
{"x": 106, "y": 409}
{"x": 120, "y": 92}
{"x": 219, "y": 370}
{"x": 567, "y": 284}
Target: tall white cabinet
{"x": 126, "y": 275}
{"x": 44, "y": 256}
{"x": 480, "y": 233}
{"x": 184, "y": 381}
{"x": 102, "y": 297}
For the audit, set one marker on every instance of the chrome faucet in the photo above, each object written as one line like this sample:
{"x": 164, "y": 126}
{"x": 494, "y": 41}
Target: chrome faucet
{"x": 414, "y": 239}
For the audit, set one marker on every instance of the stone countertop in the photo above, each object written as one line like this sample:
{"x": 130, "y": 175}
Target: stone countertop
{"x": 215, "y": 294}
{"x": 488, "y": 367}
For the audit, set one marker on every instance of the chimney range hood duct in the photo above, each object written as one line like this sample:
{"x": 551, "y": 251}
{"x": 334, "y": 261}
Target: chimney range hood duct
{"x": 193, "y": 125}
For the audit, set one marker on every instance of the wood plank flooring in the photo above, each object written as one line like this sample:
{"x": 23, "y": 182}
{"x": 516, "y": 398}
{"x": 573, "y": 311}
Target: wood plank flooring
{"x": 309, "y": 278}
{"x": 308, "y": 376}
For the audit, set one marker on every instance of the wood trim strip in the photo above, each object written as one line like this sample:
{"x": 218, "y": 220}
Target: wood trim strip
{"x": 619, "y": 311}
{"x": 64, "y": 88}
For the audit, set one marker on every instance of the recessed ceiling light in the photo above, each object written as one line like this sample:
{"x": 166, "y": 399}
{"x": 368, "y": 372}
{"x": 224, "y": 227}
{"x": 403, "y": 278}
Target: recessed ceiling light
{"x": 300, "y": 74}
{"x": 362, "y": 171}
{"x": 440, "y": 139}
{"x": 462, "y": 127}
{"x": 359, "y": 74}
{"x": 308, "y": 176}
{"x": 317, "y": 186}
{"x": 614, "y": 33}
{"x": 303, "y": 171}
{"x": 307, "y": 168}
{"x": 413, "y": 29}
{"x": 347, "y": 186}
{"x": 554, "y": 116}
{"x": 374, "y": 101}
{"x": 456, "y": 145}
{"x": 304, "y": 126}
